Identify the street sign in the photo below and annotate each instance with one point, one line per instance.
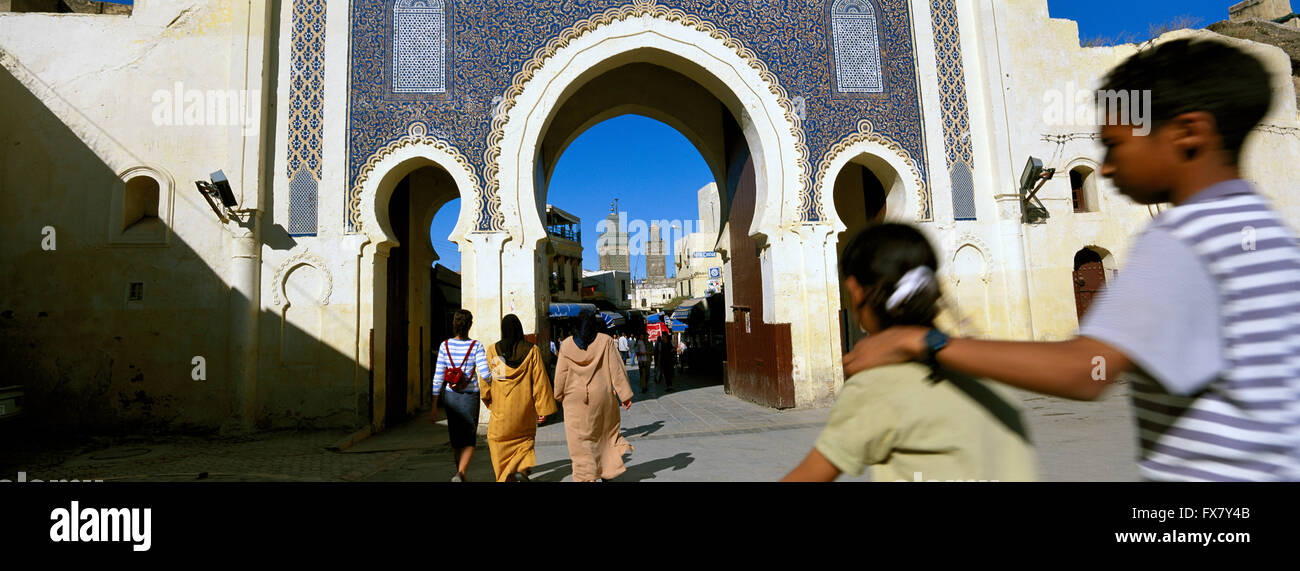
(715, 273)
(704, 255)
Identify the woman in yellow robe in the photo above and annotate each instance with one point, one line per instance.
(519, 398)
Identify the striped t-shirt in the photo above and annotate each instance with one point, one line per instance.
(476, 366)
(1208, 306)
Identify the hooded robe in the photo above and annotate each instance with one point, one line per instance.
(591, 383)
(515, 397)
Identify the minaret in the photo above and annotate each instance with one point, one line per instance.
(612, 245)
(656, 272)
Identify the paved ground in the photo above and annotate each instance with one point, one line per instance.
(696, 434)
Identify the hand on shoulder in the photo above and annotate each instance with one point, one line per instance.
(889, 347)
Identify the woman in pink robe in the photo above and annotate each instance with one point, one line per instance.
(591, 381)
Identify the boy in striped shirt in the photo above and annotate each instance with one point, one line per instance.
(1207, 312)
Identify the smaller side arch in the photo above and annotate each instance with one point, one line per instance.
(910, 204)
(969, 275)
(390, 164)
(282, 270)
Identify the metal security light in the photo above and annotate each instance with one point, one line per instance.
(218, 189)
(1032, 180)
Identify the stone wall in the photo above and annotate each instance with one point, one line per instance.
(65, 6)
(1260, 9)
(1265, 32)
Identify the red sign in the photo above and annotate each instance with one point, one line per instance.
(654, 330)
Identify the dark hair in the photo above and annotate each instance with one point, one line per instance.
(461, 323)
(592, 325)
(1199, 75)
(878, 257)
(512, 332)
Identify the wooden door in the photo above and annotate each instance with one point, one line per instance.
(1089, 278)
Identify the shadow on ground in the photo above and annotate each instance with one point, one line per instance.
(647, 470)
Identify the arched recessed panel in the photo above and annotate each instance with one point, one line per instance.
(140, 204)
(419, 46)
(969, 272)
(855, 39)
(306, 114)
(963, 192)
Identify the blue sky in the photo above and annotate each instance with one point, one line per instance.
(1112, 18)
(655, 172)
(651, 169)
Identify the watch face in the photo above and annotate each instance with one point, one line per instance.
(935, 340)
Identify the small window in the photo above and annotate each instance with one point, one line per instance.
(140, 209)
(1083, 189)
(135, 292)
(140, 206)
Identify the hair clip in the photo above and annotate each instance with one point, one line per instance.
(914, 281)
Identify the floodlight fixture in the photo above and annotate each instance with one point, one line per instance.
(218, 190)
(1032, 180)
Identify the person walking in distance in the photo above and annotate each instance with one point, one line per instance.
(665, 361)
(623, 348)
(642, 361)
(461, 367)
(591, 381)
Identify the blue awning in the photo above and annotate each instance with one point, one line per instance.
(559, 310)
(684, 310)
(611, 319)
(678, 326)
(652, 318)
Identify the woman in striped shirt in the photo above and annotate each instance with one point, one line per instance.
(462, 405)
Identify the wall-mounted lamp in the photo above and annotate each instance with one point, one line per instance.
(218, 190)
(1032, 180)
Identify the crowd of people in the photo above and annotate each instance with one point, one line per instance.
(1207, 324)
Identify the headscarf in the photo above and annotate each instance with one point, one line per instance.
(512, 347)
(592, 325)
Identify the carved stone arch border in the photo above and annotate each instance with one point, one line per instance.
(491, 217)
(417, 145)
(867, 140)
(983, 248)
(295, 259)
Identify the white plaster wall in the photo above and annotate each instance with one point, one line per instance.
(81, 90)
(1021, 54)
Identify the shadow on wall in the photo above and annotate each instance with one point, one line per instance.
(104, 336)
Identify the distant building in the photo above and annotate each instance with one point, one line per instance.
(647, 295)
(564, 255)
(611, 246)
(655, 261)
(699, 267)
(1275, 10)
(611, 285)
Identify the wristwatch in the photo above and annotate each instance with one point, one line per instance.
(935, 341)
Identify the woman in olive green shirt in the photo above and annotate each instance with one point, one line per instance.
(912, 422)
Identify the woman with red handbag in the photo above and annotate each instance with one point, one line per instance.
(462, 364)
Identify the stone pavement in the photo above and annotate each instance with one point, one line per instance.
(695, 434)
(700, 434)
